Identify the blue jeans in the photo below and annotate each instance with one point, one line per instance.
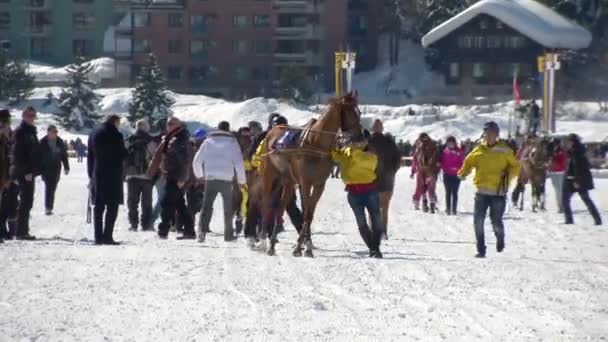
(496, 204)
(371, 202)
(557, 179)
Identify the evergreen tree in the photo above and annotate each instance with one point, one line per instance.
(295, 85)
(150, 98)
(78, 103)
(16, 83)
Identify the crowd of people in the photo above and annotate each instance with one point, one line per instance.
(189, 171)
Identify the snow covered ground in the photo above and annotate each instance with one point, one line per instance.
(550, 284)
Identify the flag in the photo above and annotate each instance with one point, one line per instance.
(516, 94)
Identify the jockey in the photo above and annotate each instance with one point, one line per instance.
(495, 166)
(256, 159)
(358, 171)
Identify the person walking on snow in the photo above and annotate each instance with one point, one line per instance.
(389, 162)
(26, 164)
(495, 166)
(358, 172)
(54, 154)
(578, 179)
(557, 170)
(451, 160)
(216, 163)
(426, 175)
(105, 157)
(5, 182)
(172, 160)
(140, 150)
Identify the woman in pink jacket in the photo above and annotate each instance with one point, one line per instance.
(451, 161)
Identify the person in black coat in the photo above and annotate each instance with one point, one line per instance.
(54, 154)
(106, 153)
(578, 179)
(25, 166)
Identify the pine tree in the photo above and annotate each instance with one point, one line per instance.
(150, 98)
(16, 83)
(295, 85)
(78, 103)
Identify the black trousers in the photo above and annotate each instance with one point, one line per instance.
(518, 191)
(254, 217)
(567, 196)
(139, 190)
(104, 228)
(452, 184)
(26, 202)
(174, 202)
(50, 187)
(8, 211)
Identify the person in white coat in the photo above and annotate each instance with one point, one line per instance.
(216, 162)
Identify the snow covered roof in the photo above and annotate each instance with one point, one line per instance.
(529, 17)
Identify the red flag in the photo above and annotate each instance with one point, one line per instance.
(516, 95)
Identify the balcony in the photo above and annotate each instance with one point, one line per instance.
(38, 5)
(297, 6)
(307, 32)
(123, 55)
(149, 4)
(37, 30)
(297, 58)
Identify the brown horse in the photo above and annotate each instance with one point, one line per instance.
(307, 165)
(534, 165)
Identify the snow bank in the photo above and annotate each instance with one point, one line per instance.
(103, 68)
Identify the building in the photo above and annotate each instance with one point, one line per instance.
(364, 30)
(238, 49)
(482, 48)
(55, 31)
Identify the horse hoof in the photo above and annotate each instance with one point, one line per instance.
(297, 252)
(309, 254)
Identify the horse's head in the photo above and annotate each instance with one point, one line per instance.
(350, 117)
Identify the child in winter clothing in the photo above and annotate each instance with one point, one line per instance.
(358, 171)
(451, 160)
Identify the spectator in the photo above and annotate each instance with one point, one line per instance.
(216, 163)
(5, 135)
(106, 154)
(452, 158)
(81, 150)
(54, 155)
(578, 179)
(140, 150)
(26, 165)
(559, 163)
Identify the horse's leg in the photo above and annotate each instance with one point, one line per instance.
(268, 181)
(534, 196)
(522, 195)
(286, 194)
(317, 191)
(305, 195)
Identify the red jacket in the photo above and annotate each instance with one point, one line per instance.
(559, 162)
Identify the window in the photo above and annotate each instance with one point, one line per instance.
(82, 47)
(239, 21)
(5, 20)
(357, 24)
(494, 42)
(141, 45)
(479, 70)
(515, 42)
(197, 23)
(175, 20)
(83, 21)
(141, 19)
(199, 74)
(483, 24)
(262, 47)
(39, 47)
(499, 25)
(84, 1)
(240, 73)
(175, 46)
(478, 42)
(200, 47)
(454, 70)
(260, 74)
(261, 21)
(174, 72)
(239, 47)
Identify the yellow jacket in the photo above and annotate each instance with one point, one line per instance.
(356, 166)
(256, 159)
(494, 168)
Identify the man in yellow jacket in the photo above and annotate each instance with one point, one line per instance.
(495, 166)
(358, 171)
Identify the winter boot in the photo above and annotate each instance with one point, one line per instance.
(12, 229)
(48, 212)
(238, 225)
(500, 244)
(425, 206)
(433, 208)
(251, 243)
(202, 236)
(416, 205)
(133, 228)
(186, 237)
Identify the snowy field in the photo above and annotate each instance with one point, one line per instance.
(550, 284)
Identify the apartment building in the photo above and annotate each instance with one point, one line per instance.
(231, 48)
(54, 31)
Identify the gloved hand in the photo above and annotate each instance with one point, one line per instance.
(244, 188)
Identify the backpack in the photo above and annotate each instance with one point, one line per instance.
(138, 158)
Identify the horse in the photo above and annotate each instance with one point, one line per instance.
(535, 161)
(308, 164)
(426, 160)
